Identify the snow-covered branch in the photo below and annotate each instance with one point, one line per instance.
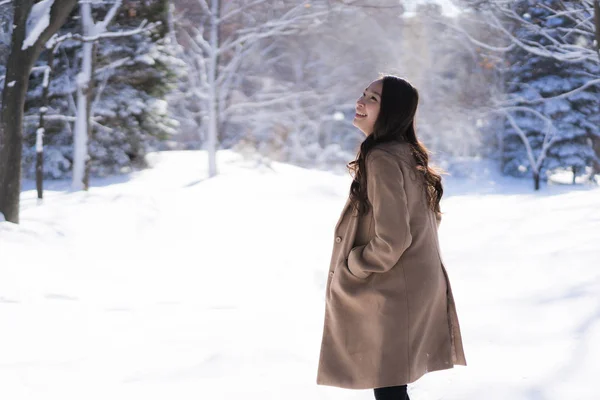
(289, 23)
(524, 139)
(113, 65)
(198, 42)
(205, 9)
(520, 100)
(455, 26)
(555, 43)
(244, 7)
(277, 100)
(62, 118)
(51, 117)
(144, 26)
(110, 15)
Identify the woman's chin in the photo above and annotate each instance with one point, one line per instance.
(358, 125)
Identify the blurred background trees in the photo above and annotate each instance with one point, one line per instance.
(514, 82)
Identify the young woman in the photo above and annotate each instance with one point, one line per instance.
(390, 315)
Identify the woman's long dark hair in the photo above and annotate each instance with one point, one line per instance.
(395, 123)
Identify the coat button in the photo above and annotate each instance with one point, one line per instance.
(338, 239)
(330, 273)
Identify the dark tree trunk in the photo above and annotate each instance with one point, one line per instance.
(18, 68)
(39, 173)
(536, 181)
(596, 162)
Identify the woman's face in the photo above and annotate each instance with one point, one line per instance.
(367, 107)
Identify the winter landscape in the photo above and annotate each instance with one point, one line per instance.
(171, 173)
(166, 285)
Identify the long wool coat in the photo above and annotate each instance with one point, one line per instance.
(390, 315)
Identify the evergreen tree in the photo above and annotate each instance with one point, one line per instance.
(132, 78)
(558, 129)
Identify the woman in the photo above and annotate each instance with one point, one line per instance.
(390, 315)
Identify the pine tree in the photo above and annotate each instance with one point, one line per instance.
(557, 128)
(132, 78)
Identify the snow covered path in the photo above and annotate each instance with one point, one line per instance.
(167, 286)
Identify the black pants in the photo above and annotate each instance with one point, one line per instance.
(391, 393)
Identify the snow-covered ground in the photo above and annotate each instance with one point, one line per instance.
(167, 285)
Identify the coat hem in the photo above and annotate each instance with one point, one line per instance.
(374, 385)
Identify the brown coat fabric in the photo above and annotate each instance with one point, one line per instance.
(390, 315)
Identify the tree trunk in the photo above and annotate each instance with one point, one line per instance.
(536, 181)
(84, 78)
(596, 162)
(213, 122)
(18, 68)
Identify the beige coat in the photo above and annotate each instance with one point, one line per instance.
(390, 315)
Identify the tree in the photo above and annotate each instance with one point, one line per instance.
(34, 25)
(451, 97)
(217, 45)
(92, 33)
(128, 110)
(292, 96)
(564, 96)
(551, 82)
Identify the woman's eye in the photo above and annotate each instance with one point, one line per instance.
(373, 98)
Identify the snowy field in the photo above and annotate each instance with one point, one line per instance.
(166, 285)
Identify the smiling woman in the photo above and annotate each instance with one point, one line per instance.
(390, 315)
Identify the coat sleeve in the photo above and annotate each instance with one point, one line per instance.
(385, 190)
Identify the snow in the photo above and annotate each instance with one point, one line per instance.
(146, 59)
(82, 79)
(164, 284)
(46, 77)
(39, 140)
(11, 83)
(37, 22)
(159, 106)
